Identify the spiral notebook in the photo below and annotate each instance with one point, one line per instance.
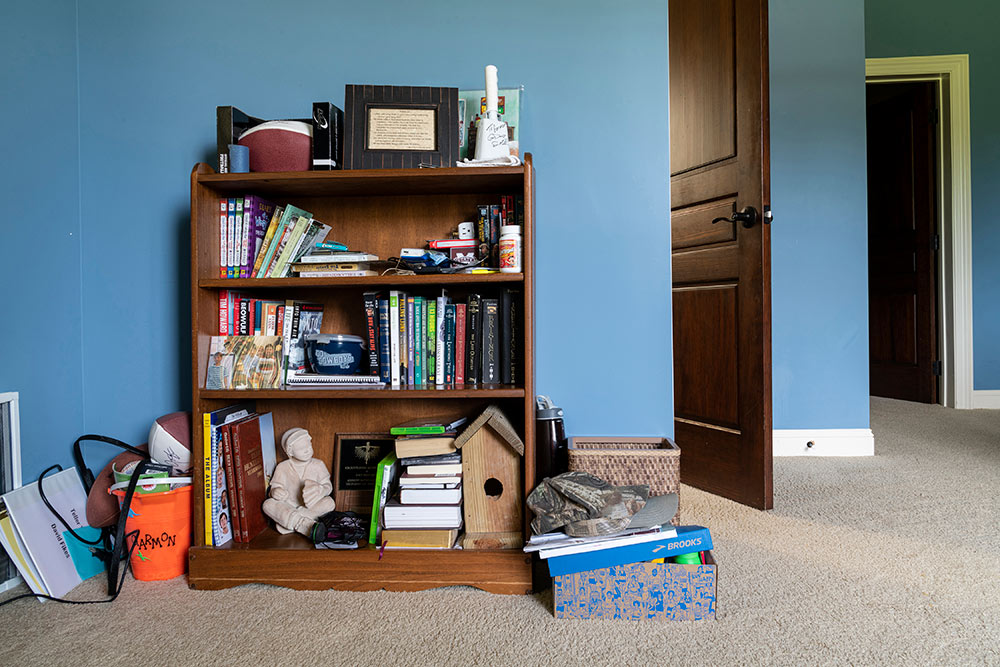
(315, 379)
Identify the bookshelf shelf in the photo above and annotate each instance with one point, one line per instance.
(360, 393)
(377, 211)
(361, 281)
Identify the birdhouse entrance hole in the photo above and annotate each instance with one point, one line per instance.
(493, 487)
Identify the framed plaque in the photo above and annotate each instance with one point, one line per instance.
(355, 458)
(400, 127)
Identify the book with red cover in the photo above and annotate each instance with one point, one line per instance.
(227, 461)
(251, 489)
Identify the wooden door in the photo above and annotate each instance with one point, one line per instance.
(902, 241)
(719, 165)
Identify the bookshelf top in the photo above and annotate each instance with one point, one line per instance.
(348, 182)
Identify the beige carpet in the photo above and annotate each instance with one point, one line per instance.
(893, 559)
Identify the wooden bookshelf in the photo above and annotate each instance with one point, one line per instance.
(378, 211)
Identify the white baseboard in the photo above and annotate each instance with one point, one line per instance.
(9, 584)
(825, 442)
(986, 399)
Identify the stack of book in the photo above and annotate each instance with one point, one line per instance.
(427, 511)
(416, 340)
(239, 460)
(323, 263)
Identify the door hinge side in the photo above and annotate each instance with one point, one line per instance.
(936, 368)
(936, 242)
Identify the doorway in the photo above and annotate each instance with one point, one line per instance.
(950, 74)
(904, 240)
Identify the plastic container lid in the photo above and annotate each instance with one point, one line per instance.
(323, 339)
(510, 229)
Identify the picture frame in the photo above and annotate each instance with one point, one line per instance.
(400, 127)
(355, 459)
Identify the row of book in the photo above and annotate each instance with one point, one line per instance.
(415, 340)
(261, 343)
(259, 239)
(239, 460)
(418, 499)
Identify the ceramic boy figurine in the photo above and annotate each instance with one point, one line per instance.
(300, 486)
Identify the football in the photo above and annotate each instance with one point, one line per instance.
(279, 145)
(170, 441)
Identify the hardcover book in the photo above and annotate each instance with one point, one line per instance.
(385, 476)
(384, 351)
(490, 347)
(398, 515)
(474, 340)
(372, 327)
(251, 487)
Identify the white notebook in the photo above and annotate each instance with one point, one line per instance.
(321, 379)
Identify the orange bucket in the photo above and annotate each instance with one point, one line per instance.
(164, 524)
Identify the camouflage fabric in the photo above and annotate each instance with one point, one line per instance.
(584, 505)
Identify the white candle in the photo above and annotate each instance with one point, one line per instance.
(491, 91)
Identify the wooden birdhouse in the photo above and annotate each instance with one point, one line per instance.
(491, 482)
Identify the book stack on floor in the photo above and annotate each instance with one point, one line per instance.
(427, 511)
(419, 340)
(239, 460)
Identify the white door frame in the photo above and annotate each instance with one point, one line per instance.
(952, 75)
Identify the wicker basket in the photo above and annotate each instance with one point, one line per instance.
(624, 461)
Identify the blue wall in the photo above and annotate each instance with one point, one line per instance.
(927, 28)
(40, 240)
(594, 116)
(819, 239)
(150, 77)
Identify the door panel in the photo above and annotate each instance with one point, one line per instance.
(704, 33)
(902, 259)
(721, 271)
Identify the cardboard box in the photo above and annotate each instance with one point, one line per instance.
(662, 591)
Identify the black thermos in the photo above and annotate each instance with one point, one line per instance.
(550, 438)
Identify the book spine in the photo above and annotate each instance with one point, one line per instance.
(460, 343)
(244, 221)
(335, 274)
(449, 344)
(279, 246)
(279, 324)
(394, 337)
(244, 327)
(230, 236)
(516, 318)
(490, 373)
(431, 341)
(231, 485)
(473, 354)
(240, 482)
(494, 235)
(208, 481)
(483, 233)
(262, 253)
(250, 212)
(310, 230)
(286, 340)
(257, 307)
(292, 235)
(238, 230)
(384, 351)
(505, 335)
(402, 338)
(223, 318)
(418, 340)
(223, 225)
(424, 303)
(371, 322)
(439, 342)
(410, 362)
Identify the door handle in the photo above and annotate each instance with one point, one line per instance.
(747, 217)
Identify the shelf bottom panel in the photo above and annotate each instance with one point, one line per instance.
(305, 568)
